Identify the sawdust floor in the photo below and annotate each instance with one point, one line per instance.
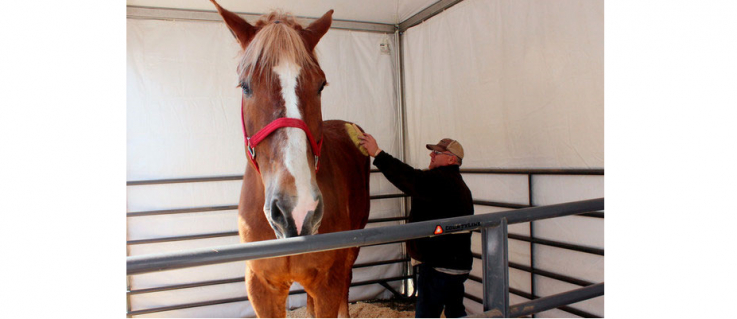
(370, 309)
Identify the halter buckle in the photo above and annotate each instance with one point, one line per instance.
(317, 162)
(251, 150)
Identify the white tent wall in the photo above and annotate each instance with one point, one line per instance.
(520, 83)
(183, 121)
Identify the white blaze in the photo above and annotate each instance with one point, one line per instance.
(296, 144)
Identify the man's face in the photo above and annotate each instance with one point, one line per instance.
(438, 159)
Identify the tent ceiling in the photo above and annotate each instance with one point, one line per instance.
(377, 11)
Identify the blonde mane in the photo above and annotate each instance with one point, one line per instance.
(278, 39)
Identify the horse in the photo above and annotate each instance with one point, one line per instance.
(305, 175)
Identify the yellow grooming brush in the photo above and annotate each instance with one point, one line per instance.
(354, 132)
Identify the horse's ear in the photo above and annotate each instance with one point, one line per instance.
(241, 30)
(317, 29)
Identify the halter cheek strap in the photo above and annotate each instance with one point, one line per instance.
(252, 141)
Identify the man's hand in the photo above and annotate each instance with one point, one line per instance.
(369, 143)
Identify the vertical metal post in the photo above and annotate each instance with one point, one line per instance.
(496, 271)
(401, 113)
(128, 307)
(532, 244)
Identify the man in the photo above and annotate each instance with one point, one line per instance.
(438, 192)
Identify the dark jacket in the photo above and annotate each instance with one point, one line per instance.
(436, 193)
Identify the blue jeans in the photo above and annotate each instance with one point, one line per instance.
(437, 290)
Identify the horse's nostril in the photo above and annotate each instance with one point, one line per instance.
(280, 217)
(276, 213)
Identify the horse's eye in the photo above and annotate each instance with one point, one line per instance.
(322, 86)
(246, 89)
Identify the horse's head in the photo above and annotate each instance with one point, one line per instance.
(281, 78)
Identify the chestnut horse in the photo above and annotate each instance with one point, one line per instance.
(305, 174)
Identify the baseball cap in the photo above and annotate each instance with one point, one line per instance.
(447, 145)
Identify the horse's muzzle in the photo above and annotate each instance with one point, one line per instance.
(290, 217)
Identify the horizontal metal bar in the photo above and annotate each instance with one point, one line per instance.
(568, 309)
(532, 297)
(476, 279)
(529, 296)
(181, 211)
(242, 279)
(577, 312)
(230, 233)
(583, 249)
(557, 300)
(535, 171)
(359, 26)
(180, 238)
(185, 306)
(472, 297)
(389, 196)
(552, 275)
(511, 290)
(136, 12)
(511, 205)
(379, 263)
(227, 234)
(195, 179)
(353, 238)
(593, 214)
(427, 13)
(185, 180)
(539, 272)
(499, 204)
(376, 281)
(239, 299)
(220, 208)
(521, 293)
(187, 285)
(153, 13)
(233, 207)
(389, 219)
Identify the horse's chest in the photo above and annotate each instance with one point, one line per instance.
(295, 268)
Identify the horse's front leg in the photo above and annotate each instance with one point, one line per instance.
(329, 289)
(310, 306)
(268, 296)
(351, 255)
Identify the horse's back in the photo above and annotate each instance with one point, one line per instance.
(345, 171)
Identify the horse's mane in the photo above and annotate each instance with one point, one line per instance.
(273, 43)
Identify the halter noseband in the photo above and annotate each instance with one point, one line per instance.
(252, 141)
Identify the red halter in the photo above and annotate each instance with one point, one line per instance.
(252, 141)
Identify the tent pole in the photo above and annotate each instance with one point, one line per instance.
(149, 13)
(427, 13)
(402, 115)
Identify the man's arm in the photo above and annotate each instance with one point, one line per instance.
(413, 182)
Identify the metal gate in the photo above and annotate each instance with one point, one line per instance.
(494, 233)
